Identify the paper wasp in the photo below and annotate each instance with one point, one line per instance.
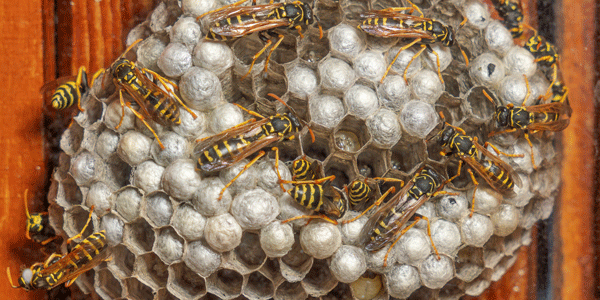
(58, 269)
(222, 150)
(531, 119)
(320, 196)
(38, 226)
(67, 90)
(235, 21)
(153, 102)
(498, 174)
(512, 15)
(545, 53)
(302, 169)
(390, 22)
(361, 192)
(386, 224)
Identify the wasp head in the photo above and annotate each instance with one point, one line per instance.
(502, 116)
(442, 33)
(437, 177)
(446, 135)
(34, 223)
(122, 69)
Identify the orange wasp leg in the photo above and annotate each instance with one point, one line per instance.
(417, 219)
(377, 203)
(396, 57)
(246, 167)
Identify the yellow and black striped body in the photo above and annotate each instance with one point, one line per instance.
(38, 228)
(438, 31)
(242, 24)
(162, 108)
(559, 92)
(84, 256)
(221, 151)
(512, 15)
(218, 155)
(309, 195)
(359, 192)
(458, 144)
(69, 93)
(301, 170)
(425, 184)
(542, 50)
(500, 178)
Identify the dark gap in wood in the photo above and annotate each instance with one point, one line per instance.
(546, 19)
(545, 252)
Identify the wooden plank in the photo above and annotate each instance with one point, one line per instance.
(20, 138)
(573, 270)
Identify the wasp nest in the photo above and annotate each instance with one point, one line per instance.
(171, 237)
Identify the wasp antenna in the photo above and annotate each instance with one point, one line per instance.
(464, 21)
(26, 204)
(10, 278)
(488, 96)
(129, 48)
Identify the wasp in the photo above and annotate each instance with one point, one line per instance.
(154, 103)
(390, 22)
(58, 269)
(319, 196)
(544, 53)
(67, 90)
(235, 21)
(361, 192)
(498, 174)
(531, 119)
(222, 150)
(38, 226)
(302, 169)
(512, 15)
(385, 225)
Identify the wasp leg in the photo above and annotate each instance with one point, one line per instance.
(389, 180)
(316, 181)
(415, 7)
(248, 165)
(277, 167)
(402, 9)
(280, 39)
(396, 57)
(416, 220)
(48, 240)
(253, 113)
(491, 134)
(84, 227)
(268, 43)
(474, 190)
(437, 61)
(497, 150)
(141, 117)
(324, 217)
(226, 130)
(80, 75)
(460, 163)
(122, 110)
(377, 203)
(526, 135)
(528, 90)
(49, 260)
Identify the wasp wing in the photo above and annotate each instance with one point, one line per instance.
(246, 130)
(250, 26)
(559, 109)
(235, 11)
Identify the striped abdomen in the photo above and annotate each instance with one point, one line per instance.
(308, 195)
(377, 237)
(358, 192)
(163, 107)
(66, 95)
(219, 25)
(500, 178)
(222, 150)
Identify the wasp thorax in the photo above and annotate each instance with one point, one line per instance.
(502, 116)
(446, 136)
(443, 33)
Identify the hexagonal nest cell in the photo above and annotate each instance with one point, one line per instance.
(180, 234)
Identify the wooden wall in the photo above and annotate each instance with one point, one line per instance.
(34, 50)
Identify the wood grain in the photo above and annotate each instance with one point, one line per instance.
(21, 157)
